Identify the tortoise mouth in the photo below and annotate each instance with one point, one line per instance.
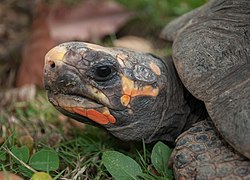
(81, 108)
(68, 101)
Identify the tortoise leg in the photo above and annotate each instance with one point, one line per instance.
(201, 153)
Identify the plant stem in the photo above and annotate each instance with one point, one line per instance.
(24, 164)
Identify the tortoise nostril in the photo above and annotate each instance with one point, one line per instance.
(52, 64)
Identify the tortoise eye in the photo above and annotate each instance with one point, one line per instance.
(103, 73)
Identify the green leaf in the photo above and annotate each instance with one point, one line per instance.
(160, 156)
(22, 153)
(148, 177)
(41, 176)
(24, 171)
(2, 155)
(45, 160)
(121, 167)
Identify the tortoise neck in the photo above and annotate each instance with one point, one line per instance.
(198, 110)
(182, 109)
(176, 112)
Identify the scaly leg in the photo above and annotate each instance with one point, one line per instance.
(201, 153)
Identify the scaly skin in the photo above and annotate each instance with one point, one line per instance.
(201, 153)
(128, 93)
(137, 96)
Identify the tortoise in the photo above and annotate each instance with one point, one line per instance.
(198, 99)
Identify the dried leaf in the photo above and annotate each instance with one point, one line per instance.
(31, 68)
(9, 176)
(2, 139)
(134, 43)
(24, 93)
(88, 21)
(54, 139)
(77, 124)
(26, 140)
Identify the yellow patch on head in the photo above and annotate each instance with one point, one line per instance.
(97, 93)
(96, 47)
(155, 68)
(127, 85)
(145, 91)
(121, 62)
(131, 90)
(121, 58)
(56, 54)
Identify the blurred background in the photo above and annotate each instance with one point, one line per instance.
(29, 28)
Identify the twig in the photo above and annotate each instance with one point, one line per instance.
(23, 163)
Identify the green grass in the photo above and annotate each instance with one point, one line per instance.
(152, 15)
(39, 120)
(160, 11)
(79, 149)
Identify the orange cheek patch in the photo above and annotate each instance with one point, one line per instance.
(131, 90)
(145, 91)
(99, 117)
(127, 85)
(125, 99)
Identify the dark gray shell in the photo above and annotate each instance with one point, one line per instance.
(211, 52)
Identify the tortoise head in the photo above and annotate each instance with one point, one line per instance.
(133, 95)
